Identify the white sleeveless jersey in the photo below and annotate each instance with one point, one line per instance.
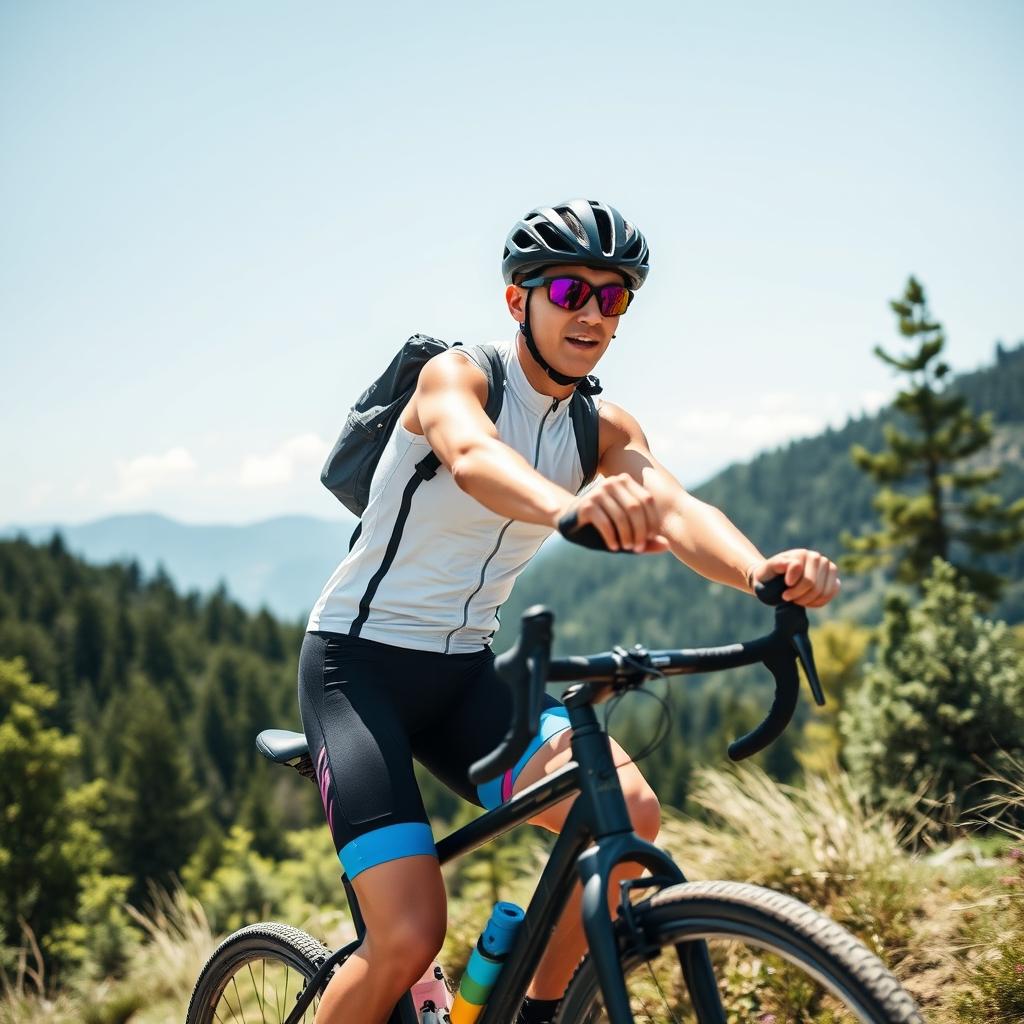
(456, 560)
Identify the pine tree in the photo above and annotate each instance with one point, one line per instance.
(156, 807)
(941, 704)
(952, 518)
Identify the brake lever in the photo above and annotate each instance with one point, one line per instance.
(791, 620)
(524, 669)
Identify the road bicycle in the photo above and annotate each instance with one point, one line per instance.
(705, 952)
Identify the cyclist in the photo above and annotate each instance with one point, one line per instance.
(396, 662)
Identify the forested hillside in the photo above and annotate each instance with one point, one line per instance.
(165, 692)
(801, 495)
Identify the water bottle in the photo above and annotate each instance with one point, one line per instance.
(485, 962)
(431, 997)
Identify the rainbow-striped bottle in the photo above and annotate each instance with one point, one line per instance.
(485, 962)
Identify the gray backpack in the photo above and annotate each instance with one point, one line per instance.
(349, 469)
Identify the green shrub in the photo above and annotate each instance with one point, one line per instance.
(944, 696)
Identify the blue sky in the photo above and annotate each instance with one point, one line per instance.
(219, 220)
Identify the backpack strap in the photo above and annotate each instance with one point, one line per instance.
(486, 358)
(585, 425)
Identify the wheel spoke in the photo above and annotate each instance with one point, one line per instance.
(234, 1016)
(241, 1008)
(661, 992)
(259, 1001)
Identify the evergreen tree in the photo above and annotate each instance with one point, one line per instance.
(265, 636)
(156, 808)
(942, 703)
(952, 517)
(90, 639)
(160, 661)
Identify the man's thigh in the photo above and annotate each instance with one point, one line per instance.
(556, 753)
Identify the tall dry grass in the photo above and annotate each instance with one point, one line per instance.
(820, 843)
(824, 845)
(991, 976)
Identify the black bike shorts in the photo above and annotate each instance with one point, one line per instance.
(369, 708)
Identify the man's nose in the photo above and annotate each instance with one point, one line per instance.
(590, 313)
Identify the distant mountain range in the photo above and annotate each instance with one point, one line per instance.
(804, 493)
(281, 563)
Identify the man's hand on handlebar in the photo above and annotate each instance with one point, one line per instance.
(621, 511)
(811, 579)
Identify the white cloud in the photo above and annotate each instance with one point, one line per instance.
(700, 439)
(140, 477)
(38, 494)
(872, 401)
(737, 431)
(280, 465)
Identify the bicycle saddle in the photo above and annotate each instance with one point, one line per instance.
(282, 746)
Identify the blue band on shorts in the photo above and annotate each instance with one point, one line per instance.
(553, 720)
(389, 843)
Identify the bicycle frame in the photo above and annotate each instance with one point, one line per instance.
(597, 835)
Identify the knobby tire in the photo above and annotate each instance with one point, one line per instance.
(235, 978)
(774, 924)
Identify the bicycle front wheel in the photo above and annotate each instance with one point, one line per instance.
(776, 961)
(255, 974)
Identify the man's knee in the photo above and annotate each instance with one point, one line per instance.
(644, 809)
(405, 909)
(408, 945)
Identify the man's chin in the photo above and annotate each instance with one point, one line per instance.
(581, 359)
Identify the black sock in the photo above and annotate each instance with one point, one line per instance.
(537, 1011)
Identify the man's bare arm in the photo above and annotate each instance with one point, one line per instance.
(449, 407)
(699, 534)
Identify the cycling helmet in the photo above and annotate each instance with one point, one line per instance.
(581, 231)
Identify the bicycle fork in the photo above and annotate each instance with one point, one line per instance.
(617, 843)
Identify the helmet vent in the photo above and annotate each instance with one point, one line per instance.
(551, 236)
(575, 231)
(604, 229)
(570, 218)
(524, 240)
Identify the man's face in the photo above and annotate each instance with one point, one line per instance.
(572, 341)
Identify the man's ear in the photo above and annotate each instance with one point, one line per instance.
(515, 298)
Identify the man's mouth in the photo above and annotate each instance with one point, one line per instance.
(582, 342)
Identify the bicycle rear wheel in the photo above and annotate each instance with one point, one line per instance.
(255, 974)
(776, 961)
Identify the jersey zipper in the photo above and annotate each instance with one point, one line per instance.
(497, 544)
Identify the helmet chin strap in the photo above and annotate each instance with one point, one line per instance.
(558, 378)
